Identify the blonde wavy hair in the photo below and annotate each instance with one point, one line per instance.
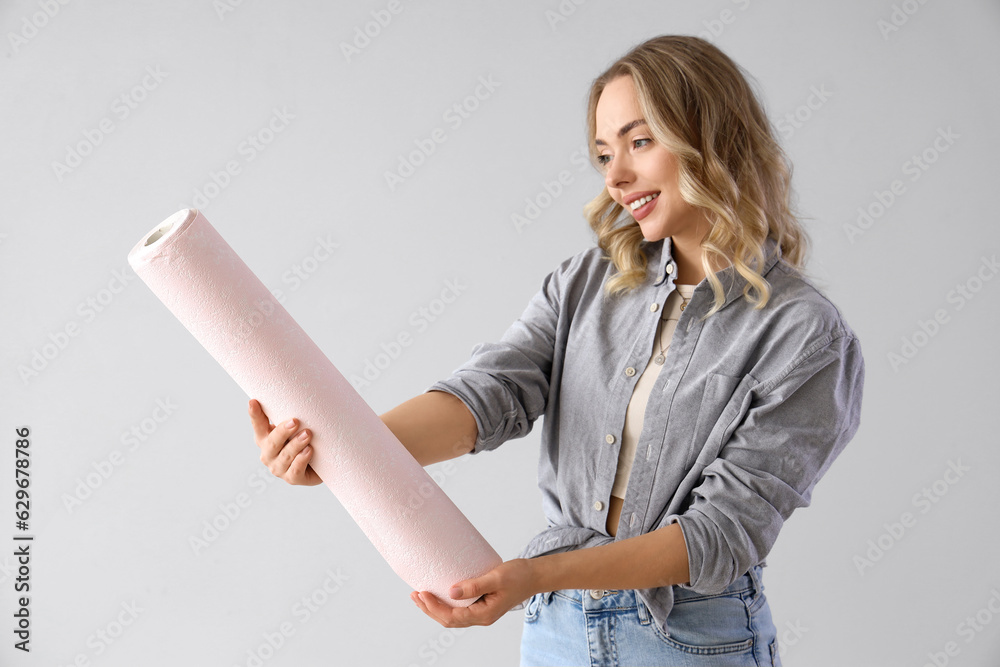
(698, 103)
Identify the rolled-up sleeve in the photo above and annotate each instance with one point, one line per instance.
(506, 384)
(795, 426)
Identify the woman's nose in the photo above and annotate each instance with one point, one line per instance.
(618, 173)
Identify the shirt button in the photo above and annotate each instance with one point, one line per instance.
(630, 371)
(653, 307)
(670, 268)
(610, 439)
(598, 506)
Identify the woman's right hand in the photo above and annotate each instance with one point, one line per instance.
(283, 449)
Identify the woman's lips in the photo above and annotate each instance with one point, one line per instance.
(644, 210)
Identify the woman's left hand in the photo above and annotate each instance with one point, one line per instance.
(501, 588)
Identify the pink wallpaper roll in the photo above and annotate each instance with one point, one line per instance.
(419, 531)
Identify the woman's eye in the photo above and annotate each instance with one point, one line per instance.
(602, 160)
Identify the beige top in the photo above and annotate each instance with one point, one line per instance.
(640, 394)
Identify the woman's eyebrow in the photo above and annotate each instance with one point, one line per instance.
(625, 130)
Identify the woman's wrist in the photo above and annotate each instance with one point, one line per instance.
(545, 572)
(654, 559)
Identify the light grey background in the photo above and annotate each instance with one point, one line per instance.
(878, 97)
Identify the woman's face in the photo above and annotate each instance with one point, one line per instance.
(635, 166)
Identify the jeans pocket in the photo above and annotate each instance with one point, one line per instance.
(709, 625)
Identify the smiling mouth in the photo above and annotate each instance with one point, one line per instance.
(643, 206)
(642, 201)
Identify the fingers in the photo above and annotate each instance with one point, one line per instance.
(299, 471)
(261, 427)
(283, 449)
(275, 439)
(453, 617)
(281, 465)
(430, 605)
(282, 446)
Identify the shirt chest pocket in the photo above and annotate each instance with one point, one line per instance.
(721, 402)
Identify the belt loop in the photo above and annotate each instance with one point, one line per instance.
(755, 577)
(644, 614)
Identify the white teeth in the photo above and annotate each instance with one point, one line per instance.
(645, 200)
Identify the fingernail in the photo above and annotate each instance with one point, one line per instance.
(303, 435)
(290, 423)
(455, 593)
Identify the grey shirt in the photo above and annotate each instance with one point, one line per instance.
(749, 411)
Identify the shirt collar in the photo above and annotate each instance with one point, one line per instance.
(772, 253)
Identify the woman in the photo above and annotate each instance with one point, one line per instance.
(665, 477)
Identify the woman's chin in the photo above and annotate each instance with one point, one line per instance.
(651, 233)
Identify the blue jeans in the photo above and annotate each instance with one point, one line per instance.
(597, 627)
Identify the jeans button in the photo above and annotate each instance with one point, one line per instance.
(596, 593)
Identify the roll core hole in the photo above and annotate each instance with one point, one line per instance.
(158, 234)
(172, 225)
